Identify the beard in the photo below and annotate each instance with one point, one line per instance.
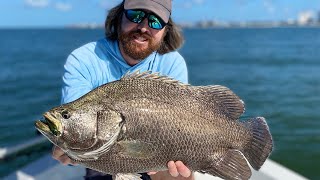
(135, 50)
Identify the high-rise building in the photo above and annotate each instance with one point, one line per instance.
(306, 17)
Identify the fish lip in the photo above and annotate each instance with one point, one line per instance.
(50, 125)
(42, 126)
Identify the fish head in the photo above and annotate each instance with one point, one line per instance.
(72, 128)
(83, 129)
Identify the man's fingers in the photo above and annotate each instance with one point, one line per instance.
(182, 169)
(59, 155)
(152, 173)
(73, 163)
(65, 160)
(173, 169)
(56, 152)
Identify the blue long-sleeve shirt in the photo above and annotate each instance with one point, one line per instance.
(100, 62)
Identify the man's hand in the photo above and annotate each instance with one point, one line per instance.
(176, 170)
(59, 155)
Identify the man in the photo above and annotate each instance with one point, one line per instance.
(140, 35)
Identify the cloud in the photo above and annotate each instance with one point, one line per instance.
(108, 4)
(269, 6)
(37, 3)
(198, 1)
(187, 4)
(63, 6)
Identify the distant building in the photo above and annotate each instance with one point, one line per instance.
(306, 17)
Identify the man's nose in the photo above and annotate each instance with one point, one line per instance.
(143, 26)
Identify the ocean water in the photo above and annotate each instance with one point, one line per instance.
(276, 71)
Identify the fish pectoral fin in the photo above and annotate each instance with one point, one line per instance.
(126, 177)
(137, 149)
(229, 165)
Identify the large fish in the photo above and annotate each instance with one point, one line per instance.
(142, 121)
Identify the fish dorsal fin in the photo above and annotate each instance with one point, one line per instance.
(223, 98)
(150, 75)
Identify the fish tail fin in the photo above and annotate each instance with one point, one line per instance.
(258, 149)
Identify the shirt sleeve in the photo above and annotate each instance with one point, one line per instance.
(179, 69)
(76, 80)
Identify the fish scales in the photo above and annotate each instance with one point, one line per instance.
(144, 120)
(166, 138)
(192, 98)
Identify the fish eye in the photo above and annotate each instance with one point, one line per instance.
(65, 114)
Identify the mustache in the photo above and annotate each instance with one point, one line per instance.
(139, 33)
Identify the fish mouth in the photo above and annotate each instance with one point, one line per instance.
(50, 125)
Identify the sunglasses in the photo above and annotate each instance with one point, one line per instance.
(137, 16)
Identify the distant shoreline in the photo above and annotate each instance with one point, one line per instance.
(249, 27)
(183, 27)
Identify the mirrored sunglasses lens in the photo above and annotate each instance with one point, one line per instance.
(155, 22)
(135, 16)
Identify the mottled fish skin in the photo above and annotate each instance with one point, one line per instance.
(144, 120)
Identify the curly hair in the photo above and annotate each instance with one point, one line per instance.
(172, 40)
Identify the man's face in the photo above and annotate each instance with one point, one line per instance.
(138, 41)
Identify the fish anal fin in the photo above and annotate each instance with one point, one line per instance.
(136, 149)
(120, 176)
(229, 165)
(222, 98)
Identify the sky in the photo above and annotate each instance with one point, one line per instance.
(52, 13)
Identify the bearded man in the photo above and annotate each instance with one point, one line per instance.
(140, 35)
